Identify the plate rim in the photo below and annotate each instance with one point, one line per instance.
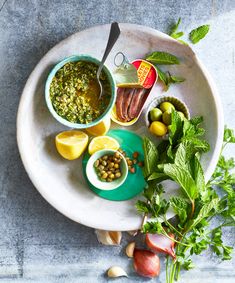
(128, 26)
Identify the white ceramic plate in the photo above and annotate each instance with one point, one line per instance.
(61, 182)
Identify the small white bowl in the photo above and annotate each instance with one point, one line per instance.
(93, 177)
(179, 106)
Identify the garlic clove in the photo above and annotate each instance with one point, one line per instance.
(111, 238)
(160, 243)
(133, 232)
(146, 263)
(130, 249)
(116, 271)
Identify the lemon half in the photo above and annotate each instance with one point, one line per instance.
(71, 144)
(102, 142)
(101, 128)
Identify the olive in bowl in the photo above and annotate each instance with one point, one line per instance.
(158, 114)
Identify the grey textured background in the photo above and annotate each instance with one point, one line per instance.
(37, 243)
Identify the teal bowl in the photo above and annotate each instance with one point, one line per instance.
(52, 73)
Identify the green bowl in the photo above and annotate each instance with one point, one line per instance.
(52, 73)
(94, 179)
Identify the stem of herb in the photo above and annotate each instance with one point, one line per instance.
(172, 227)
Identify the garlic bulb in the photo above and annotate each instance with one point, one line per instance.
(130, 249)
(111, 238)
(116, 271)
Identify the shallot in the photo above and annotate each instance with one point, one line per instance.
(146, 263)
(160, 243)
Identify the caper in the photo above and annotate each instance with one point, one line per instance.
(111, 176)
(104, 175)
(129, 162)
(101, 167)
(105, 157)
(116, 165)
(111, 164)
(117, 155)
(97, 163)
(109, 172)
(109, 180)
(134, 161)
(118, 175)
(104, 163)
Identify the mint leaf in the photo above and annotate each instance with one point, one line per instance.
(180, 207)
(177, 35)
(176, 128)
(162, 58)
(199, 33)
(150, 157)
(162, 75)
(175, 79)
(197, 173)
(167, 78)
(183, 178)
(175, 27)
(158, 176)
(204, 212)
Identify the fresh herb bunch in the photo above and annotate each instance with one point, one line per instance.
(178, 159)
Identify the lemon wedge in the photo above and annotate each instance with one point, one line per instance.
(100, 129)
(71, 144)
(102, 142)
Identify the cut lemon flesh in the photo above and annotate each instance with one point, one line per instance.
(71, 144)
(101, 128)
(102, 142)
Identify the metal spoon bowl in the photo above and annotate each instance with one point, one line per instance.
(113, 36)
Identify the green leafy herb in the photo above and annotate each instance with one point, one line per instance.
(178, 159)
(167, 78)
(175, 27)
(162, 58)
(150, 159)
(199, 33)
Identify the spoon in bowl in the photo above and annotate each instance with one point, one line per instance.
(113, 36)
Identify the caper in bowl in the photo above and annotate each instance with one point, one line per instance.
(107, 169)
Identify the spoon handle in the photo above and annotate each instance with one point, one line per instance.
(113, 36)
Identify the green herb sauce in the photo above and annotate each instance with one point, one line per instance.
(74, 92)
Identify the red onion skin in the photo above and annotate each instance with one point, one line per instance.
(158, 249)
(146, 263)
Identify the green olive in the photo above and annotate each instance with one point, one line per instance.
(166, 117)
(164, 106)
(155, 114)
(181, 115)
(158, 128)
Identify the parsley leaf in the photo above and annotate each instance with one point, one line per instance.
(199, 33)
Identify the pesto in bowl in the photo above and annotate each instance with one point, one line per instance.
(72, 92)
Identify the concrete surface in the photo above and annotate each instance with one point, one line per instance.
(37, 243)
